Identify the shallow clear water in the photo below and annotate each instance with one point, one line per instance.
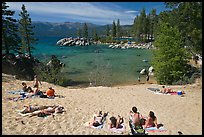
(118, 66)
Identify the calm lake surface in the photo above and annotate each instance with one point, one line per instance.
(83, 63)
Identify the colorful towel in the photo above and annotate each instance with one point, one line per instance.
(16, 92)
(22, 97)
(169, 93)
(155, 129)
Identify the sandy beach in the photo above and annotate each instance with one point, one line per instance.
(176, 113)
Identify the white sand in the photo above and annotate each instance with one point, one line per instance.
(175, 112)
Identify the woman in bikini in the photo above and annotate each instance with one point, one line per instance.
(151, 121)
(116, 123)
(98, 119)
(135, 116)
(36, 82)
(48, 111)
(30, 108)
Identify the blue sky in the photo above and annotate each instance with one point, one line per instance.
(93, 12)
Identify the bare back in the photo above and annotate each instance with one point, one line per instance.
(136, 119)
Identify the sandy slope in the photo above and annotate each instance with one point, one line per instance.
(175, 112)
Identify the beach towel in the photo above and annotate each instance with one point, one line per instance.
(154, 89)
(120, 130)
(27, 114)
(16, 92)
(155, 129)
(168, 93)
(87, 124)
(22, 97)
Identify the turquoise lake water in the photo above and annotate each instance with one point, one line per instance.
(85, 63)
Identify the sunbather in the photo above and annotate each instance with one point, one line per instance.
(48, 111)
(30, 108)
(26, 88)
(98, 119)
(151, 120)
(166, 90)
(116, 123)
(135, 116)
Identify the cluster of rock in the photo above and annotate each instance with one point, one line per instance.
(75, 42)
(132, 45)
(19, 66)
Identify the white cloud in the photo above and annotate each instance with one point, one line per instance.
(87, 11)
(131, 11)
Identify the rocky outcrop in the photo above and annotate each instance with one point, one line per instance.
(132, 45)
(75, 42)
(20, 66)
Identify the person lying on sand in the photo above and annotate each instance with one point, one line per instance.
(49, 111)
(30, 108)
(116, 123)
(166, 90)
(98, 119)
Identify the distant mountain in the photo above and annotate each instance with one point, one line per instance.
(66, 29)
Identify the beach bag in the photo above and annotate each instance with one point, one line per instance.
(139, 130)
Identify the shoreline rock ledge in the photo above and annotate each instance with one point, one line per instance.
(75, 42)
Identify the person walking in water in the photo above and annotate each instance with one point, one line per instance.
(138, 78)
(147, 77)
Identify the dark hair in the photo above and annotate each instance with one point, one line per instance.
(23, 83)
(151, 114)
(113, 120)
(95, 124)
(134, 109)
(100, 112)
(163, 86)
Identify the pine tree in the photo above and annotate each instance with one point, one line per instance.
(147, 28)
(142, 25)
(153, 22)
(95, 35)
(85, 31)
(107, 30)
(26, 32)
(113, 30)
(170, 58)
(78, 32)
(10, 39)
(118, 29)
(187, 17)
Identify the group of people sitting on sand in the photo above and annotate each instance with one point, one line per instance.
(136, 121)
(50, 93)
(40, 111)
